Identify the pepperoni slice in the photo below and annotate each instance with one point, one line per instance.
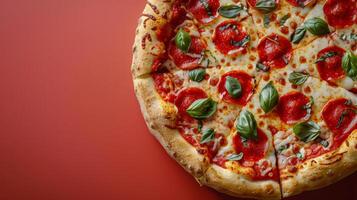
(204, 11)
(331, 68)
(275, 51)
(190, 60)
(185, 98)
(166, 85)
(299, 3)
(340, 13)
(230, 38)
(290, 107)
(253, 150)
(340, 117)
(246, 82)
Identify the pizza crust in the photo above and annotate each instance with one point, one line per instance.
(323, 170)
(234, 184)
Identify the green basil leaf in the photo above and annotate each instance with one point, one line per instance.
(299, 155)
(282, 148)
(325, 56)
(324, 143)
(265, 6)
(298, 34)
(230, 11)
(199, 126)
(351, 37)
(207, 135)
(349, 65)
(268, 97)
(183, 40)
(235, 157)
(317, 26)
(283, 19)
(262, 67)
(202, 108)
(307, 131)
(241, 43)
(207, 7)
(233, 87)
(246, 125)
(197, 74)
(266, 20)
(298, 78)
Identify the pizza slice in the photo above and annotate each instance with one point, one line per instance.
(320, 148)
(314, 130)
(325, 59)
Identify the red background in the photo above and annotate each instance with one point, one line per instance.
(70, 126)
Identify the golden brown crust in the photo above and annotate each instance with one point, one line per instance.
(323, 170)
(146, 45)
(238, 185)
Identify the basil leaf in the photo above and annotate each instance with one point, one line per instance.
(307, 131)
(317, 26)
(199, 126)
(262, 67)
(183, 40)
(207, 136)
(207, 7)
(235, 157)
(246, 125)
(230, 11)
(233, 87)
(298, 34)
(349, 65)
(325, 56)
(324, 143)
(268, 97)
(266, 20)
(299, 155)
(282, 148)
(283, 19)
(202, 108)
(241, 43)
(265, 6)
(298, 78)
(197, 74)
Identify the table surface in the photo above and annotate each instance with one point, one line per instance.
(70, 125)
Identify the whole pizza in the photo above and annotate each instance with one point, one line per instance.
(254, 98)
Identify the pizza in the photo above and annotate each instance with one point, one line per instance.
(254, 98)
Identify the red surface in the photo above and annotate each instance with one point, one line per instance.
(70, 126)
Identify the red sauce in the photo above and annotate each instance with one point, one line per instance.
(185, 98)
(331, 114)
(275, 51)
(340, 13)
(331, 69)
(202, 13)
(227, 37)
(290, 107)
(183, 60)
(165, 86)
(246, 82)
(272, 129)
(260, 145)
(272, 175)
